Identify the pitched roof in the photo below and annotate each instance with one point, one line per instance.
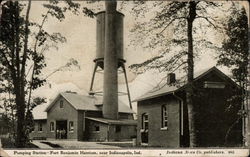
(81, 102)
(167, 89)
(51, 90)
(38, 112)
(111, 121)
(86, 102)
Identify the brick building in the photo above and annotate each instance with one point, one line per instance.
(78, 117)
(163, 115)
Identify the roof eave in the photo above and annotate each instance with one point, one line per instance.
(112, 123)
(52, 103)
(132, 112)
(98, 120)
(157, 95)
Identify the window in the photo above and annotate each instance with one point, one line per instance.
(145, 121)
(40, 127)
(71, 126)
(97, 128)
(61, 103)
(164, 117)
(218, 85)
(117, 128)
(52, 127)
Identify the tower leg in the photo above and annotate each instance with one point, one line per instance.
(92, 80)
(126, 80)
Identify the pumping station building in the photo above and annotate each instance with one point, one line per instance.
(163, 113)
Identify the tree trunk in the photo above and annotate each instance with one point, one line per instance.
(17, 81)
(20, 138)
(190, 76)
(20, 87)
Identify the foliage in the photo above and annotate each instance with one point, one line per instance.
(234, 55)
(9, 143)
(5, 122)
(235, 47)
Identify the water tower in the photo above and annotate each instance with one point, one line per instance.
(109, 58)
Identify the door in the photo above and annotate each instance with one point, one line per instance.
(61, 129)
(144, 131)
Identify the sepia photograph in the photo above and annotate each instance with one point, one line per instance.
(117, 77)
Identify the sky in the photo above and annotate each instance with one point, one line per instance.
(80, 32)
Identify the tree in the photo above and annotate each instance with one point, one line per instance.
(234, 55)
(17, 54)
(173, 51)
(10, 47)
(7, 101)
(5, 124)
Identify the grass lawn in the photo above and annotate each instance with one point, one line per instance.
(8, 143)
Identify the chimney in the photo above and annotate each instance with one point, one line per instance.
(110, 85)
(171, 78)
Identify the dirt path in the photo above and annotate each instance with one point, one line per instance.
(41, 145)
(80, 144)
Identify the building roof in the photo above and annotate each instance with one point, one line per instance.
(50, 90)
(111, 121)
(181, 83)
(38, 112)
(87, 102)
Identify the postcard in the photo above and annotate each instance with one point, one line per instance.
(124, 78)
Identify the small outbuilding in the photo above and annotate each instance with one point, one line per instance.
(163, 113)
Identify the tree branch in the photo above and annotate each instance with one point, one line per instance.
(40, 29)
(34, 65)
(176, 68)
(207, 19)
(171, 23)
(213, 4)
(29, 70)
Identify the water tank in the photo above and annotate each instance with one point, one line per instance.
(100, 35)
